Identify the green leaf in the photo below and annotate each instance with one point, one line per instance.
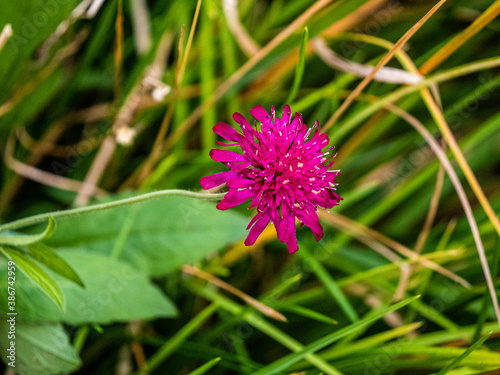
(113, 292)
(48, 257)
(165, 234)
(204, 368)
(309, 313)
(278, 366)
(459, 359)
(36, 274)
(28, 239)
(40, 348)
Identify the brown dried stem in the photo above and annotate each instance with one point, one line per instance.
(266, 310)
(399, 44)
(38, 175)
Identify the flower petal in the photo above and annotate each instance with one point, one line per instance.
(257, 196)
(217, 179)
(287, 114)
(226, 144)
(257, 228)
(260, 113)
(226, 132)
(247, 140)
(292, 245)
(240, 119)
(286, 228)
(311, 220)
(240, 183)
(225, 155)
(234, 198)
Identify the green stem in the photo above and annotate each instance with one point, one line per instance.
(21, 223)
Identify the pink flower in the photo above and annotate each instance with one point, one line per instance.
(282, 169)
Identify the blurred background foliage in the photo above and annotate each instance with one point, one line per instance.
(117, 94)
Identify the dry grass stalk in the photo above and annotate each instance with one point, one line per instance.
(266, 310)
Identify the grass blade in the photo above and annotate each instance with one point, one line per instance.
(187, 330)
(308, 313)
(330, 284)
(262, 325)
(486, 298)
(299, 71)
(207, 366)
(454, 44)
(457, 361)
(278, 366)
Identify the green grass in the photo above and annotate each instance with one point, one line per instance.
(67, 98)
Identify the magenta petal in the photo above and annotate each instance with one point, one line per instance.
(257, 228)
(276, 219)
(287, 114)
(226, 132)
(311, 220)
(256, 197)
(282, 170)
(217, 179)
(225, 155)
(292, 245)
(240, 119)
(248, 131)
(234, 198)
(254, 219)
(240, 183)
(330, 176)
(226, 144)
(286, 228)
(260, 113)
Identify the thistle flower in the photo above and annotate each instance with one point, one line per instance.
(282, 169)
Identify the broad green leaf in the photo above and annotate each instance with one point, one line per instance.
(37, 275)
(48, 257)
(164, 234)
(28, 239)
(114, 291)
(40, 348)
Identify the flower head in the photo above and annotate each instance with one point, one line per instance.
(282, 169)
